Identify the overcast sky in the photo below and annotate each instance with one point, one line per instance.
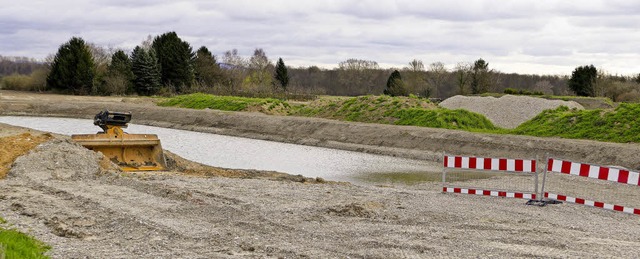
(520, 36)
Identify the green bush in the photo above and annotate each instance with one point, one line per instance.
(16, 82)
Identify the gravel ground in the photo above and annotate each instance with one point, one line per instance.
(508, 111)
(91, 214)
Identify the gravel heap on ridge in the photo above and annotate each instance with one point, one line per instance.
(508, 111)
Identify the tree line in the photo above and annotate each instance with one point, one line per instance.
(166, 64)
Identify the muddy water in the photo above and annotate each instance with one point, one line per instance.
(244, 153)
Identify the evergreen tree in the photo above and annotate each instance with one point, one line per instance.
(281, 75)
(144, 66)
(119, 76)
(395, 85)
(206, 68)
(175, 57)
(73, 68)
(582, 80)
(480, 77)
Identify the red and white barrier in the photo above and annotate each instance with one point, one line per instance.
(520, 195)
(496, 165)
(592, 203)
(493, 164)
(593, 171)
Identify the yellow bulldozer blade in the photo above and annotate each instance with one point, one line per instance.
(132, 152)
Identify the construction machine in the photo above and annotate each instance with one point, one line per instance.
(131, 152)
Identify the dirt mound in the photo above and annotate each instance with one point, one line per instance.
(508, 111)
(360, 210)
(19, 145)
(60, 159)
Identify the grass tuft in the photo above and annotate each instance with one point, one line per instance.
(14, 244)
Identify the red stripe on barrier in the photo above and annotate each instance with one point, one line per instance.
(502, 194)
(604, 173)
(487, 163)
(519, 165)
(446, 161)
(472, 162)
(618, 208)
(458, 190)
(533, 166)
(502, 164)
(636, 211)
(598, 204)
(485, 192)
(550, 164)
(580, 201)
(623, 176)
(584, 170)
(566, 167)
(444, 189)
(518, 195)
(457, 162)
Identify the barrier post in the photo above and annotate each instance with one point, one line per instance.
(444, 172)
(536, 178)
(544, 176)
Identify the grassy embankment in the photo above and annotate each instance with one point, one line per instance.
(14, 244)
(372, 109)
(619, 125)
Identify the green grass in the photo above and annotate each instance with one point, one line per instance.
(444, 118)
(224, 103)
(620, 125)
(14, 244)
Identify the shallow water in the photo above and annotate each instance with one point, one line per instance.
(244, 153)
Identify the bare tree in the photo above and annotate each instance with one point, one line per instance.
(356, 76)
(260, 67)
(543, 86)
(416, 66)
(462, 76)
(234, 70)
(436, 77)
(415, 78)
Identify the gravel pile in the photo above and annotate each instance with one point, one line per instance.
(508, 111)
(59, 159)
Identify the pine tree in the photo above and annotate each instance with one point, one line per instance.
(281, 75)
(175, 57)
(480, 77)
(146, 71)
(73, 68)
(395, 85)
(206, 68)
(119, 77)
(582, 80)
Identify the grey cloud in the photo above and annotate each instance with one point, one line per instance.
(543, 33)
